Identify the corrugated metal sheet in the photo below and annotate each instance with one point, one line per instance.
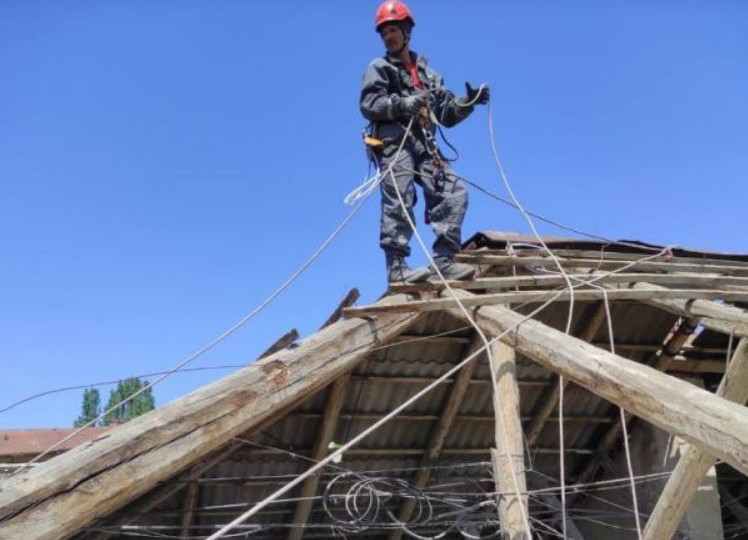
(393, 374)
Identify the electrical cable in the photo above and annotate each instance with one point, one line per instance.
(570, 316)
(342, 449)
(463, 309)
(219, 338)
(204, 368)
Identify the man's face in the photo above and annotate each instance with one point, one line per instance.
(393, 37)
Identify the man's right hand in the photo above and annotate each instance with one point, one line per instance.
(411, 105)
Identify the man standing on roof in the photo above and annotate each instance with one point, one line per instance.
(398, 88)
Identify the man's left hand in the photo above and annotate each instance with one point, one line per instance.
(479, 96)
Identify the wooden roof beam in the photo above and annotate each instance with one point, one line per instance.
(191, 497)
(281, 343)
(510, 282)
(693, 463)
(327, 428)
(681, 335)
(602, 264)
(715, 425)
(150, 501)
(508, 456)
(70, 491)
(325, 434)
(717, 317)
(439, 433)
(548, 401)
(642, 292)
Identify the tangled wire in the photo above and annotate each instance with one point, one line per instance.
(356, 503)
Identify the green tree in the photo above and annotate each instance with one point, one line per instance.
(90, 408)
(140, 404)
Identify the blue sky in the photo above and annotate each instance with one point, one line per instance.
(165, 165)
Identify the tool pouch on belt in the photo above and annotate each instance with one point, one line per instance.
(371, 143)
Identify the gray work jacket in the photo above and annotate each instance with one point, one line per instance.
(386, 81)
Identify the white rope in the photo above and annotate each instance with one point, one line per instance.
(369, 184)
(468, 316)
(518, 205)
(591, 282)
(358, 438)
(216, 340)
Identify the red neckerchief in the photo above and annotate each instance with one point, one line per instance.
(412, 68)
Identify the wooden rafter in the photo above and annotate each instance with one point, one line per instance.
(439, 434)
(281, 343)
(606, 264)
(191, 498)
(680, 337)
(714, 424)
(493, 283)
(641, 292)
(693, 463)
(348, 300)
(325, 434)
(326, 430)
(718, 317)
(150, 501)
(626, 257)
(550, 396)
(153, 447)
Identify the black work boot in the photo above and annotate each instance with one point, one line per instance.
(453, 270)
(398, 271)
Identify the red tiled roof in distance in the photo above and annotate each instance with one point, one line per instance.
(18, 444)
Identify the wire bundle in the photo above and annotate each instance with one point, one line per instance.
(356, 503)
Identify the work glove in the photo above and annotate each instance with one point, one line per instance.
(477, 96)
(411, 105)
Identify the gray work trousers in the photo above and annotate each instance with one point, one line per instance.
(445, 194)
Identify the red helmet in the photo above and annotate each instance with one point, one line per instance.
(392, 11)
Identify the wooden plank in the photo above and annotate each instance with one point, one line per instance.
(510, 282)
(509, 454)
(693, 463)
(326, 430)
(348, 300)
(715, 425)
(650, 294)
(647, 266)
(325, 435)
(191, 498)
(165, 491)
(70, 491)
(684, 365)
(439, 434)
(281, 343)
(154, 498)
(626, 257)
(717, 317)
(550, 397)
(679, 337)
